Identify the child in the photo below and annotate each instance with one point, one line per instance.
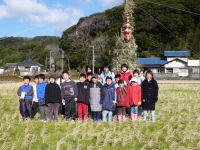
(40, 89)
(88, 70)
(53, 98)
(89, 77)
(134, 92)
(106, 73)
(117, 78)
(96, 94)
(60, 81)
(136, 74)
(26, 96)
(122, 101)
(125, 73)
(35, 99)
(109, 100)
(83, 97)
(149, 95)
(69, 94)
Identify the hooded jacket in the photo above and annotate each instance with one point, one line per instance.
(83, 92)
(109, 99)
(53, 93)
(96, 94)
(126, 76)
(135, 94)
(125, 101)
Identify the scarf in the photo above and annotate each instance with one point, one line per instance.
(120, 96)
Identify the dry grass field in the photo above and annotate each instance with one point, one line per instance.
(177, 126)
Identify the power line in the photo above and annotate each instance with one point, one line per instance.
(155, 19)
(190, 12)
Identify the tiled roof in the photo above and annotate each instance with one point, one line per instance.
(29, 63)
(176, 53)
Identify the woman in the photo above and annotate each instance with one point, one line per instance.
(149, 95)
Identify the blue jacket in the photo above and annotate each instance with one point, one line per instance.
(28, 89)
(40, 88)
(104, 76)
(109, 100)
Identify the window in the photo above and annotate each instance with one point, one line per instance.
(169, 70)
(195, 70)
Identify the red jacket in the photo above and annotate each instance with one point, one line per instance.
(134, 94)
(125, 102)
(126, 76)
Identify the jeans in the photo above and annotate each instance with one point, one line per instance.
(53, 111)
(152, 115)
(104, 115)
(96, 116)
(25, 108)
(44, 112)
(134, 109)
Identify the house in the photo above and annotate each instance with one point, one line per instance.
(29, 67)
(173, 62)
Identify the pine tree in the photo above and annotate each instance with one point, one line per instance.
(126, 52)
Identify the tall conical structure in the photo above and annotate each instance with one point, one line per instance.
(126, 48)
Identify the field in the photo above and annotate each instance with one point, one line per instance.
(177, 126)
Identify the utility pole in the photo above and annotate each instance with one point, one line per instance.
(92, 59)
(50, 59)
(63, 56)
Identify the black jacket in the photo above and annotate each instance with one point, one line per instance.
(83, 92)
(150, 94)
(53, 93)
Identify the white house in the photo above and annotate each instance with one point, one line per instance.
(173, 62)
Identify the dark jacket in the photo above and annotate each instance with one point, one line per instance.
(69, 89)
(53, 93)
(149, 94)
(83, 92)
(107, 102)
(96, 94)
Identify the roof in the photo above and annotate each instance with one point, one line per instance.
(151, 61)
(11, 64)
(176, 59)
(176, 53)
(29, 63)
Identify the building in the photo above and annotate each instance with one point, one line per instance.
(175, 63)
(27, 67)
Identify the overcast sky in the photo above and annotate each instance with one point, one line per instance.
(29, 18)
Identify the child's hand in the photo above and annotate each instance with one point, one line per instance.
(75, 99)
(143, 100)
(63, 101)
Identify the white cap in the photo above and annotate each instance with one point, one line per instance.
(134, 79)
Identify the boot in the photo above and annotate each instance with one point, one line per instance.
(135, 116)
(123, 118)
(120, 118)
(132, 117)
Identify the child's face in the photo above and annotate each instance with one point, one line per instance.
(40, 80)
(52, 80)
(82, 79)
(117, 79)
(94, 80)
(108, 81)
(89, 70)
(149, 76)
(26, 81)
(136, 75)
(66, 76)
(106, 70)
(144, 74)
(121, 85)
(124, 69)
(36, 80)
(89, 78)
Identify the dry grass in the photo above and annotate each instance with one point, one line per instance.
(177, 126)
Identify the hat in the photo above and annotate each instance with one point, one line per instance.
(134, 79)
(52, 76)
(95, 76)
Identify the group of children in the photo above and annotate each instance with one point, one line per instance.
(101, 95)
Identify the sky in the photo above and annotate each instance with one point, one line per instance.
(29, 18)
